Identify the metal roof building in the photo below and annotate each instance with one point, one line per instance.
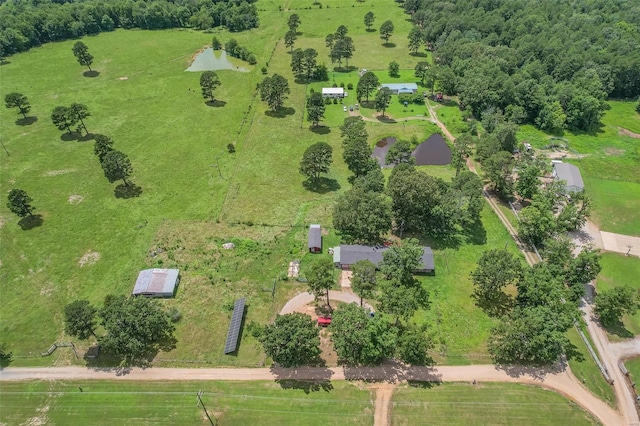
(570, 174)
(314, 243)
(400, 88)
(156, 283)
(333, 92)
(346, 255)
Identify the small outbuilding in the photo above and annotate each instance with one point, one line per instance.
(401, 88)
(157, 283)
(346, 255)
(333, 92)
(314, 242)
(571, 176)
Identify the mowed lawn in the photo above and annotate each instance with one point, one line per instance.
(619, 270)
(609, 161)
(483, 404)
(148, 403)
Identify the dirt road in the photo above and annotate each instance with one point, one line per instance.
(559, 380)
(306, 298)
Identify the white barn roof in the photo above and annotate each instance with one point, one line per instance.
(333, 90)
(156, 282)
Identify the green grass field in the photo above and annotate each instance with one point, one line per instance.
(619, 270)
(633, 365)
(483, 404)
(147, 403)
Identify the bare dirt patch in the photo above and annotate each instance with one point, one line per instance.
(625, 132)
(123, 78)
(89, 258)
(2, 222)
(75, 199)
(614, 152)
(47, 289)
(57, 172)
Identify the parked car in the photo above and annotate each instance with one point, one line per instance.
(357, 106)
(344, 108)
(351, 108)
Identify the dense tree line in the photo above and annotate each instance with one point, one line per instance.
(25, 24)
(549, 63)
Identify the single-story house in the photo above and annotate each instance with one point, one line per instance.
(157, 283)
(333, 92)
(346, 255)
(571, 176)
(401, 88)
(314, 243)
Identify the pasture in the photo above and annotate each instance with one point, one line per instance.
(483, 404)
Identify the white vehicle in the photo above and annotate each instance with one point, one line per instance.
(344, 108)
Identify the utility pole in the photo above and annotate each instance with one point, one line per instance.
(199, 395)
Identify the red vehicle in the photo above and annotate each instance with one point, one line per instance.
(439, 97)
(324, 321)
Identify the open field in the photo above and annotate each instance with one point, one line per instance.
(146, 403)
(609, 161)
(633, 365)
(483, 404)
(195, 195)
(619, 270)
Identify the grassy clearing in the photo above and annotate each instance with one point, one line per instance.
(450, 115)
(585, 369)
(633, 365)
(145, 403)
(619, 270)
(484, 403)
(616, 205)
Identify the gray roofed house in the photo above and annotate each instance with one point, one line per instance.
(570, 174)
(156, 283)
(346, 255)
(314, 243)
(400, 88)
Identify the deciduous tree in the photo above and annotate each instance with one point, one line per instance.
(369, 18)
(528, 181)
(496, 270)
(80, 319)
(363, 279)
(290, 39)
(294, 22)
(79, 112)
(367, 84)
(361, 216)
(18, 100)
(63, 119)
(215, 43)
(394, 69)
(102, 146)
(400, 152)
(383, 99)
(274, 91)
(413, 346)
(611, 305)
(297, 62)
(315, 160)
(19, 203)
(315, 108)
(320, 277)
(209, 81)
(292, 340)
(498, 169)
(416, 37)
(386, 30)
(117, 166)
(310, 61)
(360, 339)
(81, 52)
(422, 71)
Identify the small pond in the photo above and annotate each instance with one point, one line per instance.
(431, 152)
(211, 60)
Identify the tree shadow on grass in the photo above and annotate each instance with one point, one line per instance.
(127, 191)
(572, 352)
(68, 137)
(91, 74)
(345, 69)
(26, 121)
(321, 130)
(215, 103)
(496, 306)
(385, 119)
(322, 185)
(476, 234)
(287, 378)
(30, 222)
(372, 30)
(87, 137)
(418, 54)
(619, 330)
(280, 113)
(389, 44)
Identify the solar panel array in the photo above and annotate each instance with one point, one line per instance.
(234, 328)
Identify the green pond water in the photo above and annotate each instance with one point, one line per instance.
(210, 60)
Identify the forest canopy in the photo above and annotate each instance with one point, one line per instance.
(522, 56)
(29, 23)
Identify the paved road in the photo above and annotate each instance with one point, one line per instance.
(560, 380)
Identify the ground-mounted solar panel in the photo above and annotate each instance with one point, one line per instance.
(234, 327)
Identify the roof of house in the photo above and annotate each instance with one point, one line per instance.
(350, 254)
(315, 236)
(156, 281)
(569, 173)
(332, 90)
(402, 87)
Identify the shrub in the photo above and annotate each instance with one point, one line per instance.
(231, 148)
(264, 70)
(327, 101)
(350, 86)
(174, 314)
